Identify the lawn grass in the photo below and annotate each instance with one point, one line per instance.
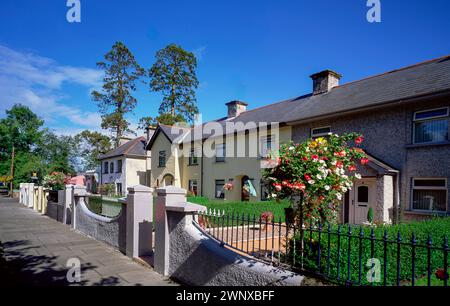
(246, 208)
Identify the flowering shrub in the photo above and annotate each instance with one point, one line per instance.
(107, 189)
(55, 181)
(316, 173)
(228, 186)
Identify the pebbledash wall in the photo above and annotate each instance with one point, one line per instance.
(388, 136)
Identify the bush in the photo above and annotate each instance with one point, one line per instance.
(345, 250)
(246, 208)
(107, 189)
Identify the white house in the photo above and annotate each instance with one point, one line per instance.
(127, 165)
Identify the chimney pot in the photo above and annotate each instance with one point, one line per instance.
(324, 81)
(235, 108)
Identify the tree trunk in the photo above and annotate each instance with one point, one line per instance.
(172, 110)
(12, 171)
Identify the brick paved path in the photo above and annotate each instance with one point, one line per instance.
(37, 249)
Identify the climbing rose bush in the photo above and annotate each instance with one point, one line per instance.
(316, 174)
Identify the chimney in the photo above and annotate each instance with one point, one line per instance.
(123, 140)
(324, 81)
(235, 108)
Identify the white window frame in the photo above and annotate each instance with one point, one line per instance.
(191, 184)
(263, 150)
(320, 134)
(413, 187)
(193, 153)
(415, 120)
(220, 159)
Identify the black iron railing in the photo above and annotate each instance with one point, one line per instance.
(347, 255)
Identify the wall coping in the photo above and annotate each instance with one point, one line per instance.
(185, 207)
(170, 190)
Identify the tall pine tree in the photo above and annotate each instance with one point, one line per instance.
(116, 100)
(173, 75)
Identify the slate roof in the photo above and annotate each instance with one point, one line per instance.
(135, 147)
(421, 79)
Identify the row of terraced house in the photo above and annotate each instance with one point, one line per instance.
(403, 115)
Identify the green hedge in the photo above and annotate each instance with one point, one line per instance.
(246, 208)
(436, 229)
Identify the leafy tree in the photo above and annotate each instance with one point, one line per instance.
(166, 119)
(116, 100)
(90, 145)
(57, 152)
(173, 74)
(19, 131)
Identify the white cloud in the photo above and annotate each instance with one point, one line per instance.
(36, 82)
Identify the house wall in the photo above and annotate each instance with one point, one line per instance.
(388, 137)
(158, 173)
(233, 167)
(116, 177)
(135, 172)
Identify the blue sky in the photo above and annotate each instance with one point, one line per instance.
(256, 51)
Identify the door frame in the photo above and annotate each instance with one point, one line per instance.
(371, 182)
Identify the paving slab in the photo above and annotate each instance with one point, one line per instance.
(37, 249)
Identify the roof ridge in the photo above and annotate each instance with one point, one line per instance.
(396, 70)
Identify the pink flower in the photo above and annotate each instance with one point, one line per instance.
(359, 140)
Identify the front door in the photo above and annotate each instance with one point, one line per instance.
(364, 197)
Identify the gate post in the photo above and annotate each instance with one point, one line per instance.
(139, 229)
(166, 196)
(78, 192)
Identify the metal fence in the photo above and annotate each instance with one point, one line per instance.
(346, 255)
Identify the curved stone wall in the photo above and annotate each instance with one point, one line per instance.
(109, 230)
(197, 259)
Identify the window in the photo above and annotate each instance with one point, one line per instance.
(267, 144)
(264, 191)
(111, 167)
(220, 153)
(219, 189)
(363, 194)
(193, 187)
(429, 195)
(119, 166)
(193, 159)
(320, 131)
(119, 188)
(431, 126)
(105, 166)
(162, 159)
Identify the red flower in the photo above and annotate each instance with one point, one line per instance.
(441, 274)
(314, 156)
(359, 140)
(339, 164)
(352, 168)
(364, 161)
(307, 177)
(285, 183)
(305, 158)
(324, 158)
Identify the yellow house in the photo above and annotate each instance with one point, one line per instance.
(220, 159)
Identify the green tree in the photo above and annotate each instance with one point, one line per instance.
(116, 100)
(19, 131)
(57, 152)
(166, 119)
(90, 145)
(173, 75)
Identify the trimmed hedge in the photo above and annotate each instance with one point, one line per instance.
(246, 208)
(344, 252)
